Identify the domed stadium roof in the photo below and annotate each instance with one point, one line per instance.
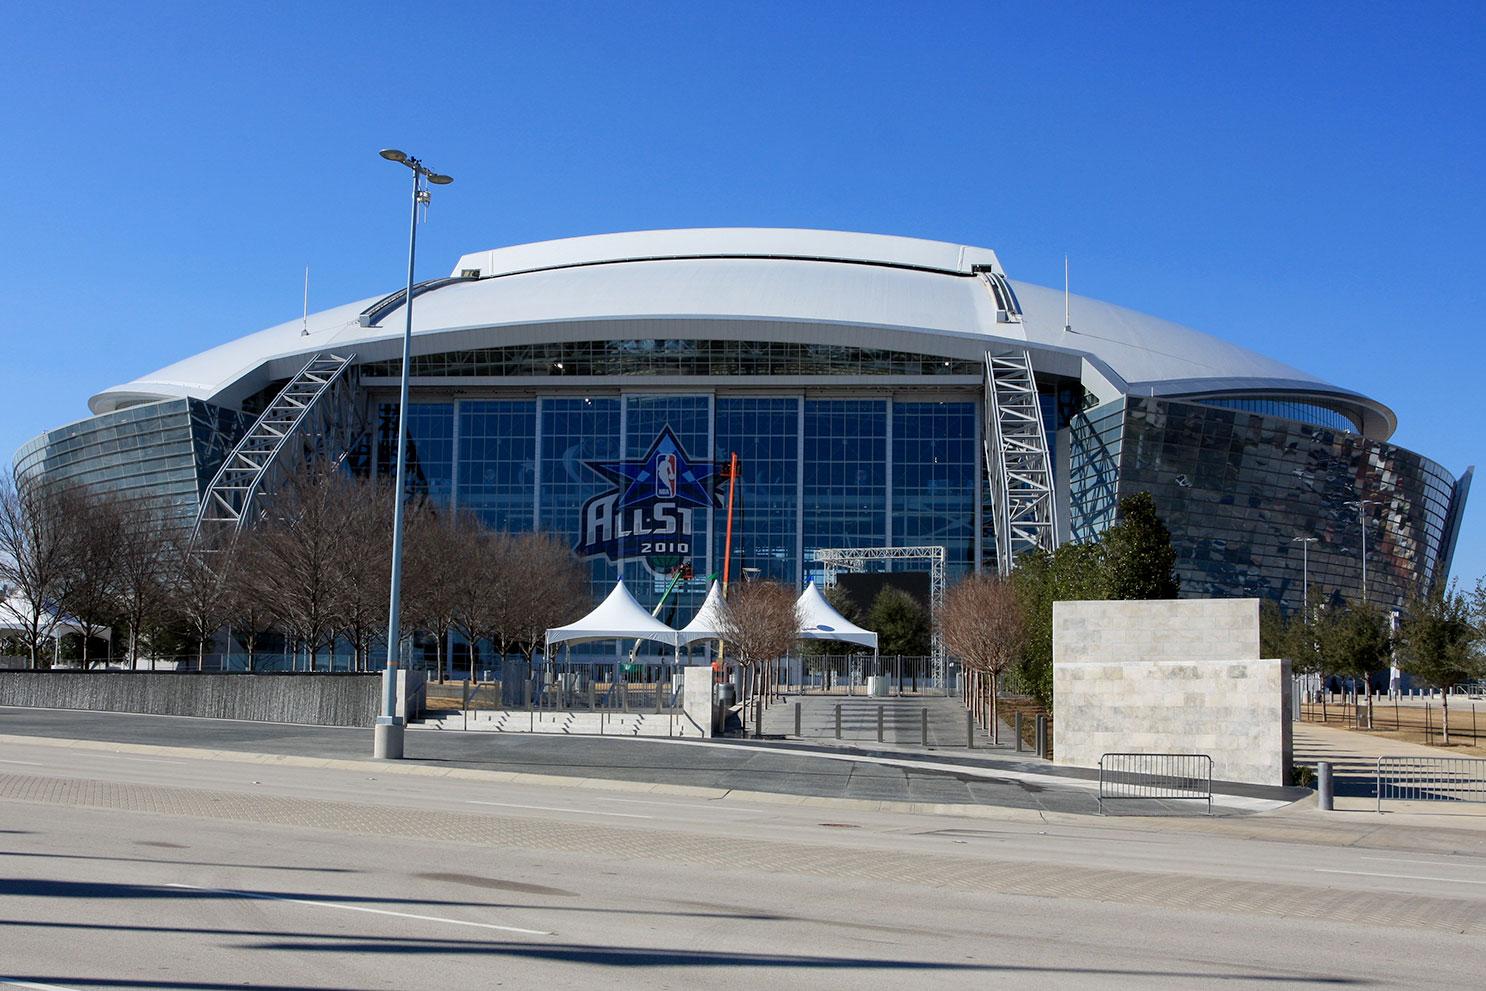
(865, 290)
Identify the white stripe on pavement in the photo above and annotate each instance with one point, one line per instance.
(1432, 863)
(361, 908)
(1400, 877)
(549, 808)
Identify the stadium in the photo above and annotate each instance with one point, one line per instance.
(878, 392)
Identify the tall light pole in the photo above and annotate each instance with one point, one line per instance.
(1362, 505)
(1305, 572)
(388, 733)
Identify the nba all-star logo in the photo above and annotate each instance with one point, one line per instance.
(649, 512)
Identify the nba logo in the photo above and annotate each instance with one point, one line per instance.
(665, 476)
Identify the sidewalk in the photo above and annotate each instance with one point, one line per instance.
(1354, 755)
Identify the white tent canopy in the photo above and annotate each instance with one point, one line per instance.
(705, 625)
(618, 617)
(820, 621)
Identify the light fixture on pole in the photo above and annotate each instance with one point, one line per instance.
(387, 737)
(1305, 571)
(1361, 505)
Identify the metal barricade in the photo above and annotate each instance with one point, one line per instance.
(1156, 776)
(1431, 779)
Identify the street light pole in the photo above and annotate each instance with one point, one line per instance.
(1362, 505)
(387, 740)
(1305, 571)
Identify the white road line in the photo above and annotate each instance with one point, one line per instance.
(1434, 863)
(1402, 877)
(362, 908)
(28, 763)
(29, 984)
(549, 808)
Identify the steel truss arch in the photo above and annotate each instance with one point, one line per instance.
(316, 412)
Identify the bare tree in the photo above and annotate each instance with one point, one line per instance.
(36, 559)
(91, 598)
(302, 547)
(984, 626)
(365, 562)
(482, 592)
(250, 608)
(548, 588)
(144, 570)
(435, 550)
(202, 585)
(760, 621)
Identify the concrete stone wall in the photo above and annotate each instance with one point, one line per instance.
(1183, 676)
(1158, 630)
(319, 699)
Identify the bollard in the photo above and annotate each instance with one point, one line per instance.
(1323, 785)
(838, 720)
(1018, 730)
(797, 720)
(970, 729)
(879, 723)
(924, 725)
(1042, 736)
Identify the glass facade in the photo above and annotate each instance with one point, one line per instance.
(765, 434)
(815, 472)
(1094, 438)
(167, 450)
(671, 357)
(935, 466)
(498, 462)
(1236, 489)
(430, 454)
(1318, 416)
(845, 471)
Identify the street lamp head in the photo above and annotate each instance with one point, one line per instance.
(439, 180)
(393, 155)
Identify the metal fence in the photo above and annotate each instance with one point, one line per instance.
(588, 689)
(1156, 777)
(856, 674)
(1431, 779)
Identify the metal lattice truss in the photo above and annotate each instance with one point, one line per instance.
(315, 414)
(1017, 459)
(835, 560)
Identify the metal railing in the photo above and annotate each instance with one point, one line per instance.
(1156, 777)
(1431, 779)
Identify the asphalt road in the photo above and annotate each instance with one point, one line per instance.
(120, 870)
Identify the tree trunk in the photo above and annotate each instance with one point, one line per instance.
(251, 653)
(1445, 716)
(995, 717)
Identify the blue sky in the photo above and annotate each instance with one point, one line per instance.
(1305, 180)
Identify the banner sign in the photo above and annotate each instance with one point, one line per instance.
(650, 510)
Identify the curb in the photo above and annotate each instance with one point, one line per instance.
(556, 780)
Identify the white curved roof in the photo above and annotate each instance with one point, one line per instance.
(763, 284)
